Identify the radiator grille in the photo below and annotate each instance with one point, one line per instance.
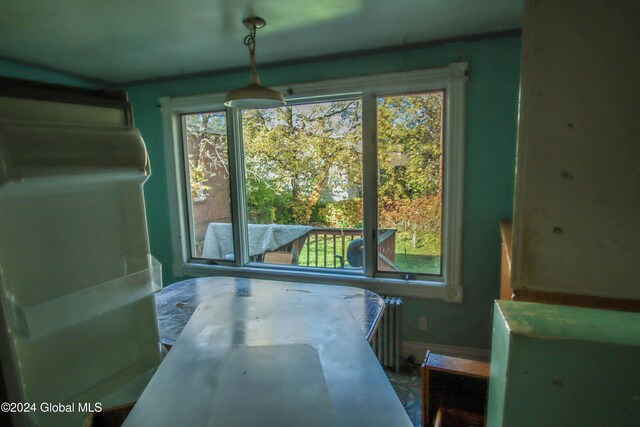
(386, 339)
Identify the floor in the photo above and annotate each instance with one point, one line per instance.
(407, 387)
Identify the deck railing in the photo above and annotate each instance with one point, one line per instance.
(327, 247)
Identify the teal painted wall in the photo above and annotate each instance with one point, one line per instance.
(489, 169)
(19, 71)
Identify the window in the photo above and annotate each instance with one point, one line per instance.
(409, 146)
(204, 135)
(355, 181)
(303, 182)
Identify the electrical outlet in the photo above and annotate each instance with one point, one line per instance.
(422, 323)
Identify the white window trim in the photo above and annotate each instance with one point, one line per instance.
(451, 78)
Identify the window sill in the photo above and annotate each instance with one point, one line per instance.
(382, 286)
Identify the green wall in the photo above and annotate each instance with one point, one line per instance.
(20, 71)
(490, 161)
(489, 171)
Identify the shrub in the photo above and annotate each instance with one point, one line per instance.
(342, 214)
(419, 216)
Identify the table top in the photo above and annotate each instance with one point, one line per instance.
(176, 303)
(289, 357)
(218, 240)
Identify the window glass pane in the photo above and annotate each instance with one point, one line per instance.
(304, 184)
(208, 192)
(410, 182)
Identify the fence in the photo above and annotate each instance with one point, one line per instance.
(327, 247)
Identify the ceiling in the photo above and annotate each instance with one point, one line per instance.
(120, 41)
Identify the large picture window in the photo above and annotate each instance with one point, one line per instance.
(356, 181)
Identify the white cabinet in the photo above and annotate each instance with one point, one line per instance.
(77, 314)
(576, 224)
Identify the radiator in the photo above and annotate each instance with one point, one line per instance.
(386, 339)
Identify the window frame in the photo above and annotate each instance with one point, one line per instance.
(451, 80)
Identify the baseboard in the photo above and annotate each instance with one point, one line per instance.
(418, 349)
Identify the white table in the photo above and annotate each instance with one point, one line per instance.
(176, 303)
(298, 359)
(218, 241)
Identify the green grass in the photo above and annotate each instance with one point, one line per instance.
(426, 245)
(418, 263)
(424, 258)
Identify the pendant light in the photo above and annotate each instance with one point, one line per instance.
(254, 95)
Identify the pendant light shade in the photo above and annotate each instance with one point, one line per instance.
(254, 95)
